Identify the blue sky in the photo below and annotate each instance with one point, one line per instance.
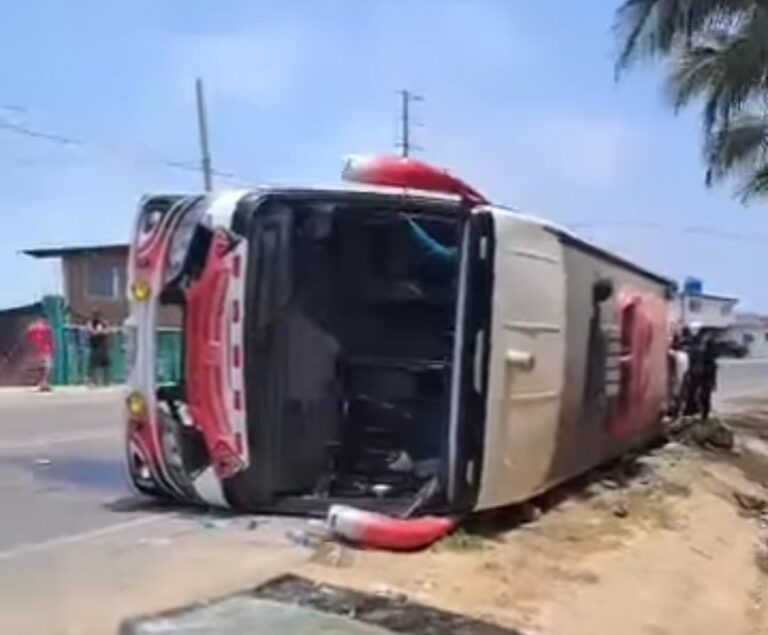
(519, 100)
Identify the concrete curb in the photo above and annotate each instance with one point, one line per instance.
(33, 395)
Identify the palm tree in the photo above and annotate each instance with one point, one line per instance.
(718, 51)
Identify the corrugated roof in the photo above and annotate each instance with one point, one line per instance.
(58, 252)
(711, 296)
(21, 310)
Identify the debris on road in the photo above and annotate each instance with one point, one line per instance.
(621, 510)
(332, 554)
(378, 531)
(215, 523)
(751, 505)
(304, 538)
(43, 462)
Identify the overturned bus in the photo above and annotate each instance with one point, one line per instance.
(401, 345)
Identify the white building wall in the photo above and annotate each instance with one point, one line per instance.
(708, 311)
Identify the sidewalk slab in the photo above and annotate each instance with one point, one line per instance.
(240, 615)
(292, 605)
(59, 393)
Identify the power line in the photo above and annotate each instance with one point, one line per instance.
(37, 134)
(72, 142)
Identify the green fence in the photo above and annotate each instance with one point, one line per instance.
(76, 353)
(71, 350)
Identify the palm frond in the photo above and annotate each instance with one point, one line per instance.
(728, 71)
(741, 146)
(696, 73)
(756, 186)
(647, 28)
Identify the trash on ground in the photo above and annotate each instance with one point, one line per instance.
(215, 523)
(43, 462)
(620, 510)
(305, 538)
(385, 591)
(333, 554)
(378, 531)
(753, 505)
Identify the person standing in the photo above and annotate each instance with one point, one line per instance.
(708, 379)
(40, 341)
(678, 376)
(693, 342)
(98, 351)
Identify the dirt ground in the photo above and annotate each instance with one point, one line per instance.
(672, 543)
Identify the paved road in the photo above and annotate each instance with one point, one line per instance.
(78, 553)
(739, 377)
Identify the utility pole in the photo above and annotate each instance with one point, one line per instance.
(405, 143)
(202, 122)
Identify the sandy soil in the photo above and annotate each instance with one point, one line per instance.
(675, 543)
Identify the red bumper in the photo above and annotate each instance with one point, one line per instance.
(207, 359)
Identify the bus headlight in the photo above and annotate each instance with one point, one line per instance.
(136, 405)
(140, 291)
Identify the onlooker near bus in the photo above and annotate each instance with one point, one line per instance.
(703, 373)
(98, 351)
(692, 343)
(40, 341)
(708, 380)
(678, 376)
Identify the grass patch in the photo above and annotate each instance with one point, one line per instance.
(462, 540)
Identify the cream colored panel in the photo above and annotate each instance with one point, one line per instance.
(526, 362)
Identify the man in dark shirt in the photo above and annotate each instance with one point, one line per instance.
(708, 379)
(98, 350)
(703, 374)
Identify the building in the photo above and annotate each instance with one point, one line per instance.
(751, 331)
(694, 307)
(95, 279)
(706, 310)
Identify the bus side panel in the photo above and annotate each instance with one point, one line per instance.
(592, 429)
(526, 365)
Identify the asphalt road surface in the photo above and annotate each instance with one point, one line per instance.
(79, 552)
(739, 377)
